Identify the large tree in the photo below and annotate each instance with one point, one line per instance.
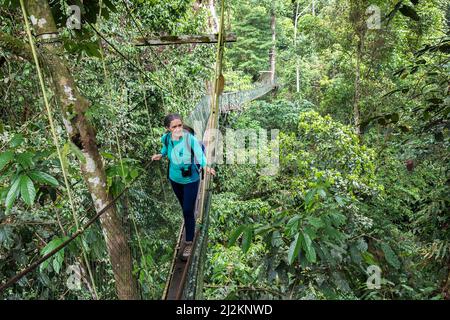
(73, 108)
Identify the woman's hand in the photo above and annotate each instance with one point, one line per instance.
(210, 171)
(156, 157)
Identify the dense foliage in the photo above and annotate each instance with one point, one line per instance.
(341, 203)
(363, 178)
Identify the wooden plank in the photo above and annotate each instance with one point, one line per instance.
(184, 39)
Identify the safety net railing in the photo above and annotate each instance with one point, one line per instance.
(229, 101)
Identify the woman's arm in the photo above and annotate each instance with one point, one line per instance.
(163, 149)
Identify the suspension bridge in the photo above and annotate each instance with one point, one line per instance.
(185, 278)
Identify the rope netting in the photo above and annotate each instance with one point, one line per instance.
(229, 101)
(235, 100)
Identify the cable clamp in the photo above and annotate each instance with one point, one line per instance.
(48, 37)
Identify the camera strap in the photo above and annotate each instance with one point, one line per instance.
(193, 157)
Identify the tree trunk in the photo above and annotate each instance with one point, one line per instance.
(297, 60)
(358, 20)
(446, 287)
(272, 51)
(214, 22)
(73, 107)
(356, 111)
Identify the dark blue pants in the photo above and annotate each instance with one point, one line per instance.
(187, 194)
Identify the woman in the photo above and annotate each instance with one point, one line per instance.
(184, 153)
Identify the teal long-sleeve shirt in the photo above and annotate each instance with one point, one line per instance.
(179, 154)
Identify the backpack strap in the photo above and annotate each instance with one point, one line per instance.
(188, 145)
(193, 157)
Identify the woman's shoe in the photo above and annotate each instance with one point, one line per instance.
(187, 250)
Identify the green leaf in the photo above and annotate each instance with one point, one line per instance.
(368, 258)
(12, 194)
(52, 245)
(292, 225)
(316, 222)
(235, 235)
(309, 249)
(390, 255)
(58, 260)
(109, 5)
(322, 193)
(309, 197)
(247, 238)
(43, 178)
(27, 190)
(261, 230)
(65, 155)
(134, 173)
(49, 248)
(107, 155)
(5, 158)
(16, 140)
(92, 49)
(337, 219)
(294, 248)
(339, 200)
(25, 159)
